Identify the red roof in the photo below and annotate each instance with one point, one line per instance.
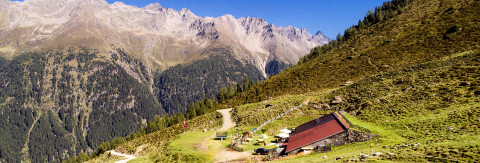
(315, 130)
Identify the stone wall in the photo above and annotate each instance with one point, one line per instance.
(335, 140)
(358, 136)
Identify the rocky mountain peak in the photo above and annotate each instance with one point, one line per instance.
(252, 21)
(304, 31)
(321, 38)
(154, 6)
(294, 34)
(227, 18)
(119, 4)
(187, 14)
(319, 33)
(97, 2)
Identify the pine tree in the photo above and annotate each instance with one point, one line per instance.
(246, 84)
(191, 112)
(360, 24)
(221, 95)
(230, 91)
(239, 88)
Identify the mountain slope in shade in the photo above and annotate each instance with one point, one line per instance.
(58, 103)
(162, 36)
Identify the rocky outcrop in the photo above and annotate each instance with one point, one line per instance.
(337, 100)
(206, 30)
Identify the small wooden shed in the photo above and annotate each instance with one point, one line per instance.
(247, 134)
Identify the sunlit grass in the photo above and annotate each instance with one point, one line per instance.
(189, 144)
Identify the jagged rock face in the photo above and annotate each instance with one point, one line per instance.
(162, 37)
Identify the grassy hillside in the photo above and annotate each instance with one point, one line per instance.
(154, 147)
(434, 105)
(427, 112)
(421, 31)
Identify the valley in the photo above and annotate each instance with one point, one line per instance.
(100, 82)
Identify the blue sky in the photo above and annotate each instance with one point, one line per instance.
(329, 16)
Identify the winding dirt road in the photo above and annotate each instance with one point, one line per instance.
(227, 120)
(227, 123)
(128, 157)
(227, 154)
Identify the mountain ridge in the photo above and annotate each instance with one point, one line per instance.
(158, 35)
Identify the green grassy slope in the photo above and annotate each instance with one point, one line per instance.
(154, 147)
(423, 31)
(435, 104)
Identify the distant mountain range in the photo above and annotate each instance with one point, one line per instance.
(162, 37)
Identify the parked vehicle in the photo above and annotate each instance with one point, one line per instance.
(261, 151)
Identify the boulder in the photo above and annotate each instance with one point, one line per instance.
(337, 100)
(464, 84)
(363, 156)
(378, 154)
(347, 83)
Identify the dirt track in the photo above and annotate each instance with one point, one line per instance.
(128, 157)
(225, 154)
(227, 120)
(227, 123)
